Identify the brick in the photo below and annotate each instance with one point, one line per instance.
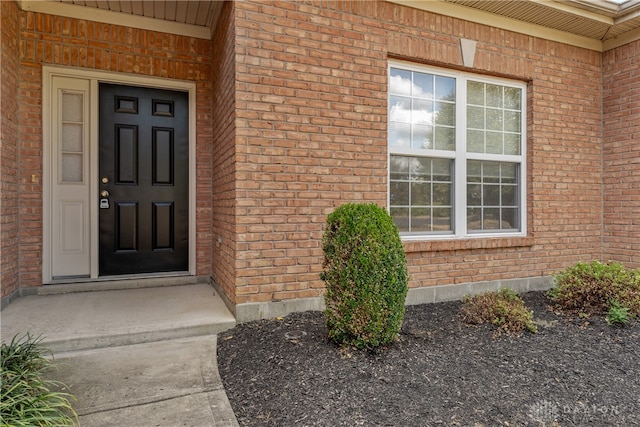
(292, 122)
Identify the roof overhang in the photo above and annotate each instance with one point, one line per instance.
(592, 24)
(192, 18)
(598, 25)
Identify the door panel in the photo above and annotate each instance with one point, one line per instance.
(144, 158)
(68, 178)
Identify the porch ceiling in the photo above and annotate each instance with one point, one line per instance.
(192, 12)
(600, 20)
(197, 18)
(595, 24)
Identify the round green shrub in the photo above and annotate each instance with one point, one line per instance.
(365, 273)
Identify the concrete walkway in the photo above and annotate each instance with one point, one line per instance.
(134, 357)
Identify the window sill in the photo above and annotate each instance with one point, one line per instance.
(467, 244)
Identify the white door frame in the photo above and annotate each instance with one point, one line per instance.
(96, 77)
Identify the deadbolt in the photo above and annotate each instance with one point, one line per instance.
(104, 193)
(105, 180)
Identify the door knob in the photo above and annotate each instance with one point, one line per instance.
(104, 193)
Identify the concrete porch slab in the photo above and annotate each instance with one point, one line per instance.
(88, 320)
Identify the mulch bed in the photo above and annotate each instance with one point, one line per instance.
(440, 372)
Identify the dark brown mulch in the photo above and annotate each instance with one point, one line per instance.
(441, 372)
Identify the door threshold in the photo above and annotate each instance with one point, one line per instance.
(111, 283)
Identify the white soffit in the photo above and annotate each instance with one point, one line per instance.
(597, 25)
(192, 18)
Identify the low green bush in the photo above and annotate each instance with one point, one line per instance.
(365, 273)
(618, 315)
(27, 399)
(503, 308)
(600, 289)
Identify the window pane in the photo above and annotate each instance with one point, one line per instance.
(421, 219)
(399, 134)
(445, 113)
(422, 137)
(421, 169)
(475, 117)
(475, 93)
(494, 96)
(401, 218)
(423, 85)
(444, 138)
(508, 173)
(72, 168)
(491, 219)
(512, 97)
(474, 195)
(72, 107)
(445, 88)
(442, 170)
(494, 143)
(420, 194)
(509, 195)
(441, 194)
(422, 112)
(400, 109)
(474, 171)
(72, 137)
(474, 219)
(512, 144)
(490, 172)
(475, 141)
(510, 219)
(442, 219)
(512, 121)
(399, 168)
(493, 197)
(494, 119)
(400, 82)
(429, 185)
(399, 195)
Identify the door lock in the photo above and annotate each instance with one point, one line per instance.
(105, 180)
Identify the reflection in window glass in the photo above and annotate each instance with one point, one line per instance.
(494, 117)
(492, 196)
(426, 103)
(427, 152)
(420, 195)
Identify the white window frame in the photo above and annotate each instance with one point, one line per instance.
(460, 155)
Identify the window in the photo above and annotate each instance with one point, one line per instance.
(456, 153)
(72, 127)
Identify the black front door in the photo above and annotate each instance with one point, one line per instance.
(144, 180)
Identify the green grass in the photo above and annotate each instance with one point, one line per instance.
(27, 398)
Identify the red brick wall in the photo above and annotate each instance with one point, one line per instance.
(621, 68)
(306, 129)
(9, 249)
(53, 40)
(224, 152)
(312, 122)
